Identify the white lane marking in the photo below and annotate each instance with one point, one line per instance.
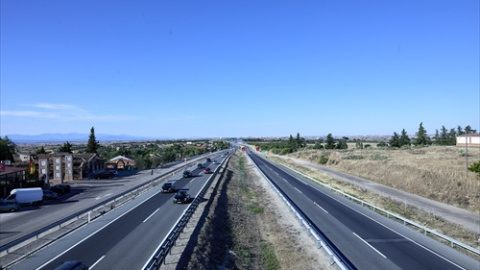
(315, 203)
(151, 215)
(103, 196)
(93, 265)
(298, 190)
(284, 180)
(370, 245)
(95, 232)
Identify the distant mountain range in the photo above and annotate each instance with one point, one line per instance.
(75, 137)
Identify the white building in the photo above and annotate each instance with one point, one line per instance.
(468, 140)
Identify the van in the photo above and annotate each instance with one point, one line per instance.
(26, 196)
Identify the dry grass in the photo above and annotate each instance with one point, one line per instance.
(438, 173)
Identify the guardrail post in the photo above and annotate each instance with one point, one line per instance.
(89, 216)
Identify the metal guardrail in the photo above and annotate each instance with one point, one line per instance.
(85, 214)
(389, 214)
(321, 240)
(159, 256)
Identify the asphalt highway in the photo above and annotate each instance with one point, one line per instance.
(127, 236)
(366, 239)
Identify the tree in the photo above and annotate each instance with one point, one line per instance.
(421, 136)
(394, 140)
(300, 142)
(469, 130)
(7, 149)
(92, 145)
(443, 139)
(292, 144)
(66, 148)
(41, 151)
(342, 143)
(404, 139)
(459, 130)
(330, 142)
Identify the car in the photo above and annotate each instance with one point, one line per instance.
(49, 195)
(114, 173)
(168, 187)
(207, 171)
(60, 190)
(104, 175)
(200, 166)
(187, 173)
(9, 206)
(209, 160)
(182, 196)
(66, 187)
(72, 265)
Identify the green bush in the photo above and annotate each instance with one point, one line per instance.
(322, 160)
(475, 167)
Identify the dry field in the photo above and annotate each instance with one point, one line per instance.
(438, 173)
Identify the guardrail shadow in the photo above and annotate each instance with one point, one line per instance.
(218, 229)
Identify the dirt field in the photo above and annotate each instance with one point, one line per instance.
(249, 227)
(439, 173)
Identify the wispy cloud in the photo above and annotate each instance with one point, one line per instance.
(62, 112)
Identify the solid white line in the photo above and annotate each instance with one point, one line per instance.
(370, 245)
(388, 228)
(151, 215)
(92, 234)
(103, 196)
(93, 265)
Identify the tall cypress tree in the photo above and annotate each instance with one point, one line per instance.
(404, 139)
(329, 142)
(92, 145)
(422, 137)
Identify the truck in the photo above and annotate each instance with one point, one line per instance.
(26, 196)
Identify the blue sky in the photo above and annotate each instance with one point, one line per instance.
(238, 68)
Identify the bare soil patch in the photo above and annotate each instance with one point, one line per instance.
(249, 227)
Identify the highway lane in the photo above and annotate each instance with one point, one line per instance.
(85, 194)
(364, 239)
(126, 238)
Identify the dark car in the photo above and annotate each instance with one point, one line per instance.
(104, 175)
(187, 174)
(209, 160)
(207, 171)
(59, 189)
(168, 187)
(9, 206)
(200, 166)
(72, 265)
(49, 195)
(65, 187)
(182, 196)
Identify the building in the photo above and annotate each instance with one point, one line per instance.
(468, 140)
(63, 167)
(10, 178)
(120, 163)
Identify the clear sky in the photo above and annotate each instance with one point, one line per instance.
(193, 68)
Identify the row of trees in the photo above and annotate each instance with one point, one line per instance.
(442, 137)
